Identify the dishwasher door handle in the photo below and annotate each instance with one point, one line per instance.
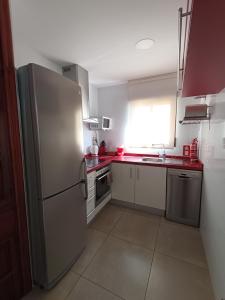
(184, 177)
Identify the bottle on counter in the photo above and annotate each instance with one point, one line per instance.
(102, 148)
(186, 151)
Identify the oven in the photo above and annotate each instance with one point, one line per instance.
(103, 184)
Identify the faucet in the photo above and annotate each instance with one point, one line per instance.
(163, 155)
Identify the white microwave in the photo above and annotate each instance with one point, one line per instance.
(104, 123)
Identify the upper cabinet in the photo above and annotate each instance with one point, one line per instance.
(203, 62)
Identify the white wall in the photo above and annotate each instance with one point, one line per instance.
(113, 102)
(89, 134)
(23, 55)
(213, 197)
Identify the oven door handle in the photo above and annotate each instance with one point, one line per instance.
(105, 174)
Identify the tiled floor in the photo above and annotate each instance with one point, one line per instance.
(135, 256)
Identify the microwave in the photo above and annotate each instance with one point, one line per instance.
(104, 123)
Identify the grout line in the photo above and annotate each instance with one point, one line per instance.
(99, 285)
(98, 250)
(67, 295)
(153, 256)
(131, 243)
(182, 260)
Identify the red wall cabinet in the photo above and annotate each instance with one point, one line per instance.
(204, 71)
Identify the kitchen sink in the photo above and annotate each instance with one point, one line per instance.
(153, 159)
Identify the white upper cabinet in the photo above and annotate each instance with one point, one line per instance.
(123, 182)
(150, 186)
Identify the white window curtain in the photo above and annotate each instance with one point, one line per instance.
(151, 122)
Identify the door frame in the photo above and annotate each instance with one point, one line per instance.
(9, 94)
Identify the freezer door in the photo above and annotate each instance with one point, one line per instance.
(65, 231)
(57, 113)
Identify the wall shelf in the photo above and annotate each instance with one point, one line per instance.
(191, 121)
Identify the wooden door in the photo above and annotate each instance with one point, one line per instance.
(15, 278)
(150, 186)
(123, 182)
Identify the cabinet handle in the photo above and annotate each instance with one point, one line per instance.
(138, 173)
(131, 173)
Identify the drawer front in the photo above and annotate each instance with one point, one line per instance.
(90, 205)
(91, 192)
(91, 181)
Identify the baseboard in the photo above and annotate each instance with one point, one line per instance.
(151, 210)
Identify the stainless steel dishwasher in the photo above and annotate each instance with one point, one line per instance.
(184, 196)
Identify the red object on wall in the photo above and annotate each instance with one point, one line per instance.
(186, 150)
(205, 62)
(194, 150)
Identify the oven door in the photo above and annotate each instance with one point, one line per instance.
(103, 186)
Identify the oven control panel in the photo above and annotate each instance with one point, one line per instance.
(103, 170)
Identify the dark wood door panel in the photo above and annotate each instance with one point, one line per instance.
(15, 277)
(8, 224)
(10, 283)
(9, 288)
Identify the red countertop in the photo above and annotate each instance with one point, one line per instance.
(176, 162)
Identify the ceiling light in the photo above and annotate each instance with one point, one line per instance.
(144, 44)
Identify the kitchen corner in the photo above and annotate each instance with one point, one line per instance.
(112, 177)
(112, 165)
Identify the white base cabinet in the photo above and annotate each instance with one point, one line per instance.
(141, 185)
(150, 186)
(91, 192)
(123, 182)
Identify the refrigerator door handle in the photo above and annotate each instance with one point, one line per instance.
(84, 181)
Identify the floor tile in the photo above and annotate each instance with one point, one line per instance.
(172, 279)
(153, 218)
(137, 229)
(94, 241)
(86, 290)
(107, 219)
(59, 292)
(178, 225)
(181, 243)
(122, 268)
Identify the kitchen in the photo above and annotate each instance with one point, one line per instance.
(150, 128)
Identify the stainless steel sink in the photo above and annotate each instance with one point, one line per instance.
(153, 159)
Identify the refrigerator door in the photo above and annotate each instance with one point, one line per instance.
(65, 227)
(57, 113)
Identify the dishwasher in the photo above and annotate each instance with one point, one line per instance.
(183, 197)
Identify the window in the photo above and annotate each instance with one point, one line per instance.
(151, 123)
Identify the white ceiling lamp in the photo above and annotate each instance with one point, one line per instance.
(144, 44)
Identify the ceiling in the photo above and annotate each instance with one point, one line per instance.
(100, 35)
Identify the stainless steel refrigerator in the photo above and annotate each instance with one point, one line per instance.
(51, 122)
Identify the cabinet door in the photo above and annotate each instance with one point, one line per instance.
(123, 182)
(150, 186)
(205, 70)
